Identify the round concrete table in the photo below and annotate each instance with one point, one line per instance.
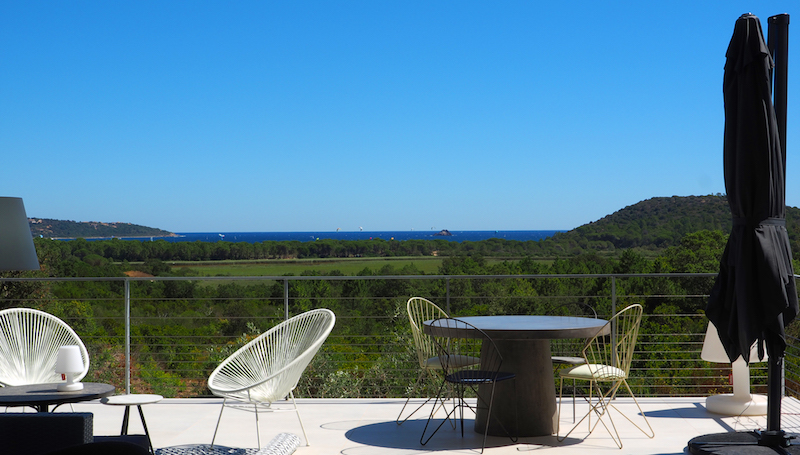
(524, 343)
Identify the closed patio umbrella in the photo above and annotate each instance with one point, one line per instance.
(754, 296)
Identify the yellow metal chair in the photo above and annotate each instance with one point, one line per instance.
(566, 351)
(607, 363)
(419, 311)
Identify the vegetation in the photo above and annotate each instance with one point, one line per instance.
(649, 227)
(45, 227)
(659, 223)
(182, 329)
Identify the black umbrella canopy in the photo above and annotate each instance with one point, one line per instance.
(754, 296)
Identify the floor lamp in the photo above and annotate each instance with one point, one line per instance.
(16, 242)
(740, 402)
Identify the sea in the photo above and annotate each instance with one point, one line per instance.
(257, 237)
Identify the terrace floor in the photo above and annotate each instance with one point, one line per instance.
(367, 427)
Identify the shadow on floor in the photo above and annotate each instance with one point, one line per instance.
(406, 437)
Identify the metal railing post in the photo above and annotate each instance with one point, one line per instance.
(447, 287)
(613, 295)
(613, 312)
(127, 336)
(286, 299)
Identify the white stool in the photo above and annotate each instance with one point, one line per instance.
(137, 400)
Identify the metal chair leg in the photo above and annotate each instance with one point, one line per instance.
(218, 420)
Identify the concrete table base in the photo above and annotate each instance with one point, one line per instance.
(526, 406)
(533, 388)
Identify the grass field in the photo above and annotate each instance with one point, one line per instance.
(279, 267)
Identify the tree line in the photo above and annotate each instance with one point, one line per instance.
(649, 226)
(117, 250)
(183, 329)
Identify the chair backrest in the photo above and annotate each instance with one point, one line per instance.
(617, 347)
(268, 368)
(419, 311)
(573, 308)
(465, 342)
(29, 342)
(570, 346)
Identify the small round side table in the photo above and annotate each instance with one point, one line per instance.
(134, 399)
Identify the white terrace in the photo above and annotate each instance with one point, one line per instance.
(367, 427)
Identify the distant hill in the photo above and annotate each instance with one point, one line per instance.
(662, 222)
(50, 228)
(653, 224)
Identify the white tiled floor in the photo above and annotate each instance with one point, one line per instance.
(366, 427)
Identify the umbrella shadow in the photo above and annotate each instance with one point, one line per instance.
(406, 437)
(698, 411)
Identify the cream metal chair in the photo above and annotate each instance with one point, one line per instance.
(268, 368)
(566, 350)
(607, 367)
(419, 311)
(29, 342)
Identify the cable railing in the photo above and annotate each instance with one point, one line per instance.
(166, 334)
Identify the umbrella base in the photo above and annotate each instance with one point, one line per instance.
(744, 443)
(731, 405)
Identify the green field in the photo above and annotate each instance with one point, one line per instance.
(347, 266)
(279, 267)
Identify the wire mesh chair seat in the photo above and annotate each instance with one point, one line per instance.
(420, 310)
(29, 342)
(464, 339)
(268, 368)
(607, 362)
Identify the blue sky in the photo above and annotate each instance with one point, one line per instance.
(199, 116)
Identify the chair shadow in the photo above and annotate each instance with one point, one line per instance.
(390, 435)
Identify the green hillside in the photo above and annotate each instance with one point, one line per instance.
(661, 222)
(46, 227)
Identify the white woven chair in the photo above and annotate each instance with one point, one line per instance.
(29, 342)
(268, 368)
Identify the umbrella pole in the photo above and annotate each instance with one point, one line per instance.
(774, 436)
(779, 48)
(778, 42)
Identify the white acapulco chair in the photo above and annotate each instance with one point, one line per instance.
(29, 342)
(268, 368)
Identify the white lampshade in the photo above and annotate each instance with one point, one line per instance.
(69, 360)
(16, 242)
(713, 351)
(68, 364)
(741, 401)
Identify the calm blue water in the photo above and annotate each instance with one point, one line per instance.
(256, 237)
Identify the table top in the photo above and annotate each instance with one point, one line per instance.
(42, 395)
(132, 399)
(526, 327)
